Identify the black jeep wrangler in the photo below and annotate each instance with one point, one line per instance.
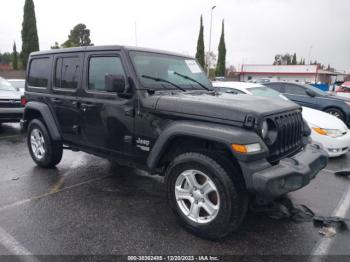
(158, 111)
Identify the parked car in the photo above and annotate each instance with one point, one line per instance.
(310, 96)
(158, 111)
(18, 84)
(326, 129)
(11, 109)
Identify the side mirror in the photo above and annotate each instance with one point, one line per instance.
(115, 83)
(311, 93)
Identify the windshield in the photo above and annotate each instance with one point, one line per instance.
(318, 91)
(17, 83)
(264, 91)
(6, 86)
(180, 71)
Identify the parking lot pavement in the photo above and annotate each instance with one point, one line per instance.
(86, 207)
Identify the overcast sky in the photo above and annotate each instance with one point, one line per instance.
(255, 30)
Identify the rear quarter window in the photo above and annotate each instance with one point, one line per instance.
(39, 72)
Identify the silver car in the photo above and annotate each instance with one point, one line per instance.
(11, 108)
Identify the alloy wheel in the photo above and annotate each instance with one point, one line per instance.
(197, 196)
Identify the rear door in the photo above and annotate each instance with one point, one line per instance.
(67, 75)
(108, 119)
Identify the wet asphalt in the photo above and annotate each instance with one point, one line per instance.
(84, 206)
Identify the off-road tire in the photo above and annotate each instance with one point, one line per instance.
(229, 183)
(53, 149)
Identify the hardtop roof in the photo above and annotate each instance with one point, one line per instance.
(106, 48)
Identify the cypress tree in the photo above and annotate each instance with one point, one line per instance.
(14, 57)
(221, 65)
(200, 54)
(30, 41)
(294, 60)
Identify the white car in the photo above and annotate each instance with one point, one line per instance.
(11, 108)
(326, 129)
(18, 84)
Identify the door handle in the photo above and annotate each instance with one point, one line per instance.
(87, 104)
(56, 100)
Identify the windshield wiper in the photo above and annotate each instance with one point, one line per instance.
(157, 79)
(193, 80)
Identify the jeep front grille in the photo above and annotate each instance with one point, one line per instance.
(289, 135)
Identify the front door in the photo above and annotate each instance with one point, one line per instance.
(67, 74)
(298, 95)
(108, 119)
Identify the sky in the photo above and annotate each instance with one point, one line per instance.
(255, 30)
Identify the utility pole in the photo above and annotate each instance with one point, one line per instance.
(211, 23)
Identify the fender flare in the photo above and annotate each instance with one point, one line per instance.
(225, 135)
(47, 116)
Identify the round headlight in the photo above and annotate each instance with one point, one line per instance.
(264, 129)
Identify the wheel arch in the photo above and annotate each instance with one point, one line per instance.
(179, 137)
(36, 110)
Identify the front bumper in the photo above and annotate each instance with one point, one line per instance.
(11, 114)
(335, 146)
(290, 174)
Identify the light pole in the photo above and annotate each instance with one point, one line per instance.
(310, 54)
(211, 23)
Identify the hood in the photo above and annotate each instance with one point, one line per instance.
(223, 106)
(10, 95)
(338, 97)
(322, 119)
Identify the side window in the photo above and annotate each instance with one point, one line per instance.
(67, 71)
(275, 86)
(295, 89)
(100, 67)
(39, 72)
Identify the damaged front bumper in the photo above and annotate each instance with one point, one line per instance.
(288, 175)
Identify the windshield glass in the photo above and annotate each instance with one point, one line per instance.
(318, 91)
(5, 85)
(173, 69)
(264, 91)
(17, 83)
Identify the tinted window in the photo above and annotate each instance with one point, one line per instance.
(100, 67)
(39, 72)
(295, 89)
(67, 72)
(276, 86)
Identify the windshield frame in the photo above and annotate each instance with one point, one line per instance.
(190, 87)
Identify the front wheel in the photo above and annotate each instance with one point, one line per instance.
(336, 112)
(43, 149)
(205, 199)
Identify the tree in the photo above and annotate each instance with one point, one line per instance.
(285, 59)
(30, 40)
(200, 54)
(14, 57)
(294, 59)
(5, 58)
(79, 36)
(221, 65)
(55, 46)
